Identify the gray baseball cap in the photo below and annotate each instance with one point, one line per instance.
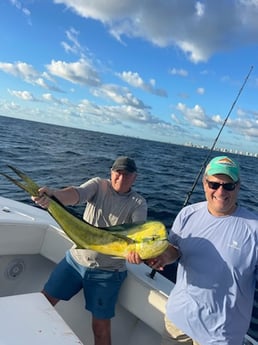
(124, 163)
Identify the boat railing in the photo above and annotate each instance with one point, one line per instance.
(249, 341)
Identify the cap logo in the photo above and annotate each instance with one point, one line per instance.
(226, 161)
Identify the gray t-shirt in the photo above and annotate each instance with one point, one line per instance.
(105, 207)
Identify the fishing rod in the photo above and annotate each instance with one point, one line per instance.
(216, 139)
(152, 273)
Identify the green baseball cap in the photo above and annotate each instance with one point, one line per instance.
(223, 165)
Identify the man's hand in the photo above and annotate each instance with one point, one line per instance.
(171, 254)
(134, 258)
(42, 199)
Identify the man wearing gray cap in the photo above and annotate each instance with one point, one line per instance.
(108, 202)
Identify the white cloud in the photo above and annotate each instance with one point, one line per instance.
(73, 45)
(118, 95)
(24, 95)
(134, 79)
(198, 28)
(19, 6)
(195, 116)
(20, 69)
(81, 72)
(244, 125)
(181, 72)
(27, 73)
(200, 90)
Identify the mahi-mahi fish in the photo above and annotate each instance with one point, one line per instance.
(148, 239)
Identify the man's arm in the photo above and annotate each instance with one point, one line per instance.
(66, 196)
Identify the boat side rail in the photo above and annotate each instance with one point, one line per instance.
(21, 238)
(29, 238)
(55, 244)
(145, 297)
(249, 341)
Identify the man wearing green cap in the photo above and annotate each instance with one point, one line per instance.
(216, 244)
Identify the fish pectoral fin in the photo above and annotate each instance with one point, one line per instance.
(123, 237)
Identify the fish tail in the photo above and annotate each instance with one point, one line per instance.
(29, 186)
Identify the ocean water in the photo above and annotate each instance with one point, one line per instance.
(59, 156)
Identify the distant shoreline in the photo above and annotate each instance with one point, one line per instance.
(223, 150)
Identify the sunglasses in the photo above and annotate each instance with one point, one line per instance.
(227, 186)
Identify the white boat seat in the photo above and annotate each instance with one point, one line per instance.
(31, 319)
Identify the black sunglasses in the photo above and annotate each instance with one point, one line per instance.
(227, 186)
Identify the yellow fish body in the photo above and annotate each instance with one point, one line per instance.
(148, 239)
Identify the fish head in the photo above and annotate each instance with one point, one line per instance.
(151, 239)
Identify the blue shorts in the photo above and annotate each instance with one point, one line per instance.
(100, 287)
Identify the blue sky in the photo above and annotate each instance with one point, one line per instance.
(158, 69)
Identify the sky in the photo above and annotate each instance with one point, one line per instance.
(177, 71)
